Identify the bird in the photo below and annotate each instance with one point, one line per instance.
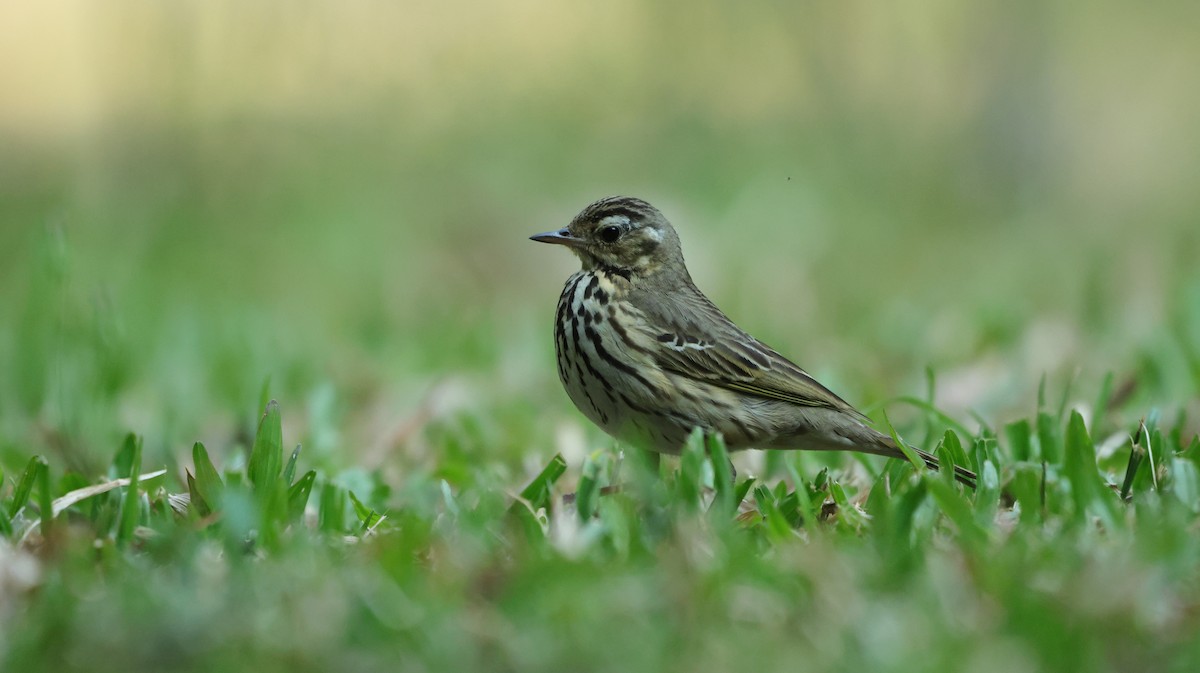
(647, 357)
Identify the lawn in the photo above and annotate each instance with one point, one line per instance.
(277, 384)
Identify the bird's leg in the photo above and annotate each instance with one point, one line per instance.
(651, 461)
(569, 498)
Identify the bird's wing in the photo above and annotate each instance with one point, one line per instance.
(698, 341)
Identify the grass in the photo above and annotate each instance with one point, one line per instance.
(277, 389)
(1057, 562)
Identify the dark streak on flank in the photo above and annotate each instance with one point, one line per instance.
(741, 427)
(617, 364)
(560, 329)
(622, 332)
(582, 356)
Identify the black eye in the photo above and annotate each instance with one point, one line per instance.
(610, 234)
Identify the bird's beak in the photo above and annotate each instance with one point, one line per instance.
(560, 237)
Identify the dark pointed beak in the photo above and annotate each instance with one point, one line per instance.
(560, 237)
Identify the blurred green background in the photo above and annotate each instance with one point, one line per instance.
(197, 198)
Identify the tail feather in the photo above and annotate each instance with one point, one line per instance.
(962, 474)
(886, 447)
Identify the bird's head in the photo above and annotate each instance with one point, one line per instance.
(622, 235)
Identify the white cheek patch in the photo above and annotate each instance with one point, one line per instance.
(654, 234)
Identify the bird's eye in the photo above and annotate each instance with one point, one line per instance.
(610, 234)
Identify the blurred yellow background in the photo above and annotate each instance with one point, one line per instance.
(341, 192)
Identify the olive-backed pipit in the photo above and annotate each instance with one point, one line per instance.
(647, 357)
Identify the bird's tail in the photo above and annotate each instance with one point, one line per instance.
(888, 448)
(962, 474)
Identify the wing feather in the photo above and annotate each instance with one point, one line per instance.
(714, 350)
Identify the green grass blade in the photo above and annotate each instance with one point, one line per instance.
(25, 485)
(957, 509)
(904, 448)
(45, 497)
(536, 496)
(1185, 483)
(367, 516)
(897, 514)
(724, 504)
(122, 463)
(289, 471)
(587, 490)
(332, 515)
(945, 459)
(1192, 452)
(776, 523)
(955, 446)
(741, 490)
(838, 494)
(1087, 487)
(1137, 457)
(264, 393)
(266, 457)
(789, 506)
(808, 494)
(537, 493)
(1079, 464)
(689, 481)
(1019, 435)
(273, 512)
(527, 521)
(1048, 438)
(131, 504)
(986, 497)
(207, 479)
(299, 493)
(197, 502)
